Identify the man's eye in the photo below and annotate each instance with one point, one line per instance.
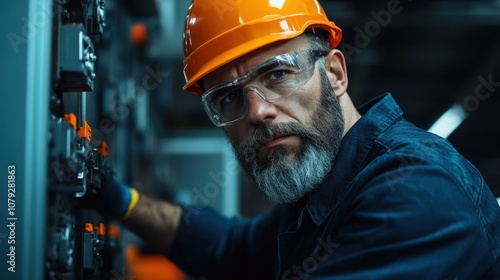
(278, 74)
(229, 98)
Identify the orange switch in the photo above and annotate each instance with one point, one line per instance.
(89, 227)
(85, 131)
(100, 229)
(71, 119)
(103, 149)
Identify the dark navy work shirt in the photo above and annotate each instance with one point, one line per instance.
(399, 203)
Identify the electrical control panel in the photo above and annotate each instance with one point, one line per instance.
(78, 92)
(80, 243)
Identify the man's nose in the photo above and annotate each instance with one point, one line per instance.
(259, 110)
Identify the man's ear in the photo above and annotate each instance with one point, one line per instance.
(336, 71)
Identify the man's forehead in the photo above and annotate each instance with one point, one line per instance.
(245, 63)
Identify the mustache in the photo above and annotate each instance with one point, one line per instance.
(266, 132)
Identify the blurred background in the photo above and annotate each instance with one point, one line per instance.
(439, 59)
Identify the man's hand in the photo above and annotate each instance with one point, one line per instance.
(153, 220)
(114, 200)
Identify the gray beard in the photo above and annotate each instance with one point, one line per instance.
(283, 180)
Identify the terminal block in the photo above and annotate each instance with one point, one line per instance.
(65, 164)
(76, 59)
(61, 243)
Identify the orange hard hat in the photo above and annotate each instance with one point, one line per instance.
(217, 32)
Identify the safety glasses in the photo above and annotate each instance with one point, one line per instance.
(275, 78)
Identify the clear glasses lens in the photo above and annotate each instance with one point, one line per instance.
(276, 78)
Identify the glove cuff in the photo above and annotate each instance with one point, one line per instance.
(116, 200)
(134, 198)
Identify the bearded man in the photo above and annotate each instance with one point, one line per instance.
(360, 193)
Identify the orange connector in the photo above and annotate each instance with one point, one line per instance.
(85, 131)
(71, 119)
(89, 227)
(103, 149)
(100, 229)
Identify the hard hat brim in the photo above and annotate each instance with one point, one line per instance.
(207, 57)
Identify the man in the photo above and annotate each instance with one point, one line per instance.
(360, 193)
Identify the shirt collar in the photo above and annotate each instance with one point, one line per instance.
(377, 115)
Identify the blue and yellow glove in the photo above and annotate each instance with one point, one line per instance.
(116, 200)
